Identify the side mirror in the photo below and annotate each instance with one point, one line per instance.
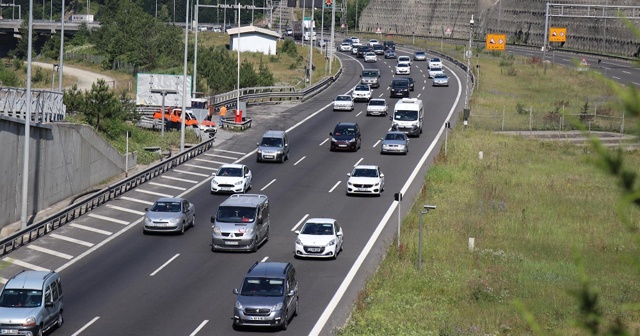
(213, 174)
(48, 304)
(330, 133)
(213, 219)
(339, 233)
(146, 209)
(291, 293)
(235, 291)
(296, 232)
(258, 144)
(381, 175)
(349, 174)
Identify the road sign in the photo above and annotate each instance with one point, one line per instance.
(557, 34)
(584, 62)
(328, 3)
(378, 30)
(584, 65)
(496, 41)
(342, 26)
(447, 32)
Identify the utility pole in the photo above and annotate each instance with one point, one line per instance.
(184, 78)
(61, 49)
(27, 126)
(195, 49)
(333, 28)
(469, 54)
(311, 25)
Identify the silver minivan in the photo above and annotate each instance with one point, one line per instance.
(274, 146)
(241, 223)
(31, 303)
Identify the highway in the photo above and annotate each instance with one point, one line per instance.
(118, 281)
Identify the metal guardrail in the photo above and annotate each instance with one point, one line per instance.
(64, 216)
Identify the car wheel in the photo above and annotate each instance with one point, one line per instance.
(284, 157)
(193, 221)
(182, 228)
(295, 312)
(285, 321)
(254, 245)
(145, 232)
(60, 320)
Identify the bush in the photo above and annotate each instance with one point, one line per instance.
(520, 109)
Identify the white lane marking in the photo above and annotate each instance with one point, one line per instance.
(136, 200)
(210, 161)
(49, 251)
(152, 192)
(325, 141)
(359, 113)
(167, 186)
(199, 328)
(264, 259)
(317, 328)
(201, 167)
(614, 77)
(190, 173)
(299, 222)
(419, 94)
(376, 144)
(221, 156)
(88, 228)
(164, 265)
(178, 179)
(302, 158)
(268, 184)
(86, 326)
(381, 95)
(566, 59)
(3, 280)
(69, 239)
(135, 212)
(357, 163)
(335, 186)
(24, 264)
(228, 151)
(635, 83)
(108, 219)
(627, 72)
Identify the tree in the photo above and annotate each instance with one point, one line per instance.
(73, 99)
(21, 49)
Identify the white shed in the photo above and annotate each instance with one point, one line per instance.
(254, 39)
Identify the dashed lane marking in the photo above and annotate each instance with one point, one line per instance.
(49, 251)
(108, 219)
(268, 184)
(167, 186)
(299, 222)
(71, 240)
(135, 212)
(302, 158)
(88, 228)
(335, 186)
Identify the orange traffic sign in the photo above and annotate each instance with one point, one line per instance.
(557, 34)
(496, 42)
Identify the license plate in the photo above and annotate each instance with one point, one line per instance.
(257, 318)
(8, 331)
(225, 189)
(231, 242)
(314, 250)
(268, 156)
(342, 145)
(362, 189)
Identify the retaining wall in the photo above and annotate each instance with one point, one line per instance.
(64, 160)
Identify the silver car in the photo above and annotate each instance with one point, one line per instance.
(169, 215)
(395, 142)
(377, 106)
(441, 79)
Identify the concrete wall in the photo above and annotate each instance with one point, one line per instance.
(64, 160)
(521, 20)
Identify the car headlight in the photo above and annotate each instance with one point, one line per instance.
(259, 151)
(175, 220)
(30, 321)
(214, 182)
(217, 231)
(376, 184)
(333, 140)
(248, 231)
(238, 183)
(277, 306)
(238, 305)
(332, 242)
(352, 140)
(147, 220)
(349, 183)
(298, 242)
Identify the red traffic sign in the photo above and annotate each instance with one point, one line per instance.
(378, 30)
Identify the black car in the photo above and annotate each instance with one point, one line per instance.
(399, 87)
(389, 45)
(411, 83)
(378, 49)
(346, 136)
(363, 50)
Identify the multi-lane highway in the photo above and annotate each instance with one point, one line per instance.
(118, 281)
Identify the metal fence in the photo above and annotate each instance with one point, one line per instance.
(46, 105)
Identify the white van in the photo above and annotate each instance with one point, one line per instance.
(408, 116)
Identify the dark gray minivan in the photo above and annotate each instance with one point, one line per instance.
(274, 146)
(241, 223)
(268, 296)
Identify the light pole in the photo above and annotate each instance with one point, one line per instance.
(184, 78)
(238, 80)
(311, 32)
(61, 49)
(195, 50)
(156, 8)
(422, 212)
(333, 25)
(469, 54)
(27, 125)
(356, 27)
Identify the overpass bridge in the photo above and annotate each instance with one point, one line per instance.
(11, 26)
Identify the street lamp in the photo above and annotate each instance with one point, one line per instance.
(468, 54)
(184, 78)
(27, 126)
(426, 208)
(61, 49)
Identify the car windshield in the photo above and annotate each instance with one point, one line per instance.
(441, 75)
(420, 53)
(318, 229)
(403, 58)
(364, 172)
(403, 65)
(166, 207)
(235, 214)
(345, 131)
(369, 73)
(343, 98)
(394, 136)
(371, 54)
(271, 142)
(27, 298)
(226, 171)
(400, 84)
(406, 115)
(376, 102)
(362, 88)
(254, 286)
(378, 46)
(435, 60)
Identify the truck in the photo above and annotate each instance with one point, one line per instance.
(297, 29)
(408, 116)
(371, 77)
(79, 18)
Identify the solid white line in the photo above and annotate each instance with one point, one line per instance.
(178, 179)
(268, 184)
(614, 77)
(201, 167)
(358, 114)
(210, 161)
(376, 144)
(190, 173)
(221, 156)
(635, 83)
(264, 259)
(49, 251)
(357, 163)
(627, 72)
(24, 264)
(299, 222)
(152, 192)
(317, 328)
(88, 228)
(199, 328)
(228, 151)
(135, 212)
(334, 187)
(167, 186)
(69, 239)
(86, 326)
(302, 158)
(108, 219)
(164, 265)
(325, 141)
(3, 280)
(136, 200)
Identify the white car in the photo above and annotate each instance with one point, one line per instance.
(319, 238)
(404, 59)
(355, 40)
(343, 102)
(372, 42)
(403, 69)
(370, 57)
(434, 71)
(354, 48)
(435, 63)
(231, 178)
(361, 92)
(365, 179)
(377, 106)
(345, 46)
